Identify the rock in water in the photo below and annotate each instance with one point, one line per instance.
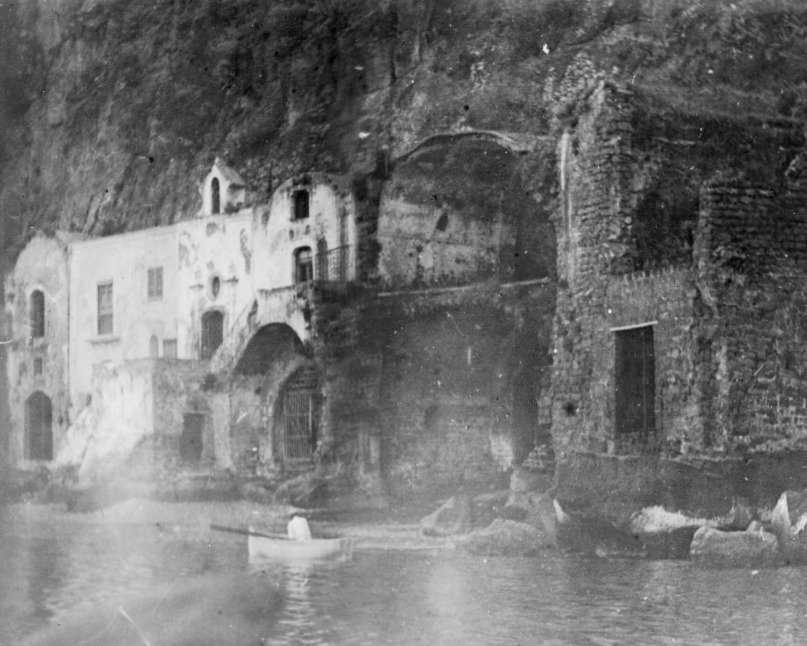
(453, 517)
(505, 538)
(752, 548)
(789, 523)
(665, 534)
(523, 481)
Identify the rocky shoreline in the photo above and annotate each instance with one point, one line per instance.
(524, 520)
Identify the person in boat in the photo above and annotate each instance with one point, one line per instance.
(298, 529)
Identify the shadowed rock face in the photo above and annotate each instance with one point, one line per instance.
(209, 610)
(112, 110)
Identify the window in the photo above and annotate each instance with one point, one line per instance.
(215, 196)
(300, 199)
(37, 314)
(303, 265)
(105, 320)
(215, 287)
(322, 259)
(169, 348)
(38, 427)
(38, 366)
(154, 347)
(212, 324)
(155, 283)
(635, 384)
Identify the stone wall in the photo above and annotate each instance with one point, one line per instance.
(752, 265)
(435, 388)
(630, 175)
(652, 230)
(458, 209)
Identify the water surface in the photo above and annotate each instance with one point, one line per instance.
(68, 581)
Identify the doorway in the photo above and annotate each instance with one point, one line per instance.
(212, 332)
(38, 427)
(191, 442)
(635, 383)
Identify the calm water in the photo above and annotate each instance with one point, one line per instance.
(70, 582)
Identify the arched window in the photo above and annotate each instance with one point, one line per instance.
(37, 313)
(212, 332)
(215, 196)
(154, 347)
(303, 265)
(38, 427)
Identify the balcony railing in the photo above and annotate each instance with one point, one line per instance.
(335, 265)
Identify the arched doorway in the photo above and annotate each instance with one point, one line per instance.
(38, 427)
(212, 332)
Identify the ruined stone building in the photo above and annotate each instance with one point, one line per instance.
(680, 319)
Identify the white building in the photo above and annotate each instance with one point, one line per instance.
(86, 313)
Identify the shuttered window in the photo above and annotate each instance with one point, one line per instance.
(105, 315)
(155, 283)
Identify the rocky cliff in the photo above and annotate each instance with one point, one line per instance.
(110, 110)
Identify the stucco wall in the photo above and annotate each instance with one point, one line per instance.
(124, 260)
(332, 218)
(208, 247)
(42, 265)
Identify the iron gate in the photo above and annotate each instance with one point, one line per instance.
(299, 424)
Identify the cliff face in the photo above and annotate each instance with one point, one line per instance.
(111, 110)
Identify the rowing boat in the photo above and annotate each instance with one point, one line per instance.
(262, 548)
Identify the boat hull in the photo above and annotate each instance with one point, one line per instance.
(262, 548)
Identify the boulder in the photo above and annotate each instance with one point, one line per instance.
(665, 534)
(789, 523)
(452, 517)
(486, 507)
(751, 548)
(594, 535)
(505, 538)
(524, 481)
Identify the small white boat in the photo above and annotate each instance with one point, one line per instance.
(263, 548)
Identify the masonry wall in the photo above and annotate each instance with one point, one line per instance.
(752, 266)
(628, 230)
(428, 388)
(457, 210)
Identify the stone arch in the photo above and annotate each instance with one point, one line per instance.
(271, 344)
(38, 427)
